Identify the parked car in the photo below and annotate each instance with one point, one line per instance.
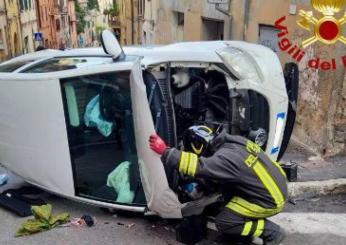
(77, 122)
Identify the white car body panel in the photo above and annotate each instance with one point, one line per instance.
(45, 158)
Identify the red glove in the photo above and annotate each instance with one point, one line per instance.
(157, 144)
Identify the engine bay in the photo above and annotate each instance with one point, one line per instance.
(200, 97)
(197, 94)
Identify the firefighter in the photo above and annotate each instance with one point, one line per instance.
(254, 186)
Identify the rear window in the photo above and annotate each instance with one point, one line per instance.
(11, 67)
(67, 63)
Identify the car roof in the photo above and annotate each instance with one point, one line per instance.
(152, 54)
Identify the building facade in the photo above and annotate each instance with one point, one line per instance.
(89, 35)
(46, 23)
(28, 23)
(96, 20)
(72, 24)
(168, 21)
(130, 21)
(3, 32)
(13, 29)
(61, 23)
(102, 18)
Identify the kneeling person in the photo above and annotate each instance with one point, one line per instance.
(254, 185)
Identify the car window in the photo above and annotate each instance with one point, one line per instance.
(67, 63)
(10, 67)
(99, 120)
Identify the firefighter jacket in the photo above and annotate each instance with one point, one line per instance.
(255, 184)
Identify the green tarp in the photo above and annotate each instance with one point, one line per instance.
(43, 220)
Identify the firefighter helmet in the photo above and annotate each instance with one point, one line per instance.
(197, 139)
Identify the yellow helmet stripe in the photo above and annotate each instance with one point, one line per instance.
(207, 128)
(197, 151)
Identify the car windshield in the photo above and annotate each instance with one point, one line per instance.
(11, 67)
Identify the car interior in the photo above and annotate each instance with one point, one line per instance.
(101, 138)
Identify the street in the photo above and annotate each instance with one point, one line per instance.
(313, 221)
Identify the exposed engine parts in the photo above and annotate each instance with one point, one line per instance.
(201, 94)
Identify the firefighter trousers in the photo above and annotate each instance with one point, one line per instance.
(231, 223)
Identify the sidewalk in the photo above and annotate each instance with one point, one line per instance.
(313, 168)
(316, 176)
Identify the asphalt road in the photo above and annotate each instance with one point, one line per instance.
(108, 229)
(310, 223)
(313, 221)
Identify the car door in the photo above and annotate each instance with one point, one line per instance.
(160, 198)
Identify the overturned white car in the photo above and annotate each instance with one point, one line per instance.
(77, 122)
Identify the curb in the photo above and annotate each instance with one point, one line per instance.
(317, 188)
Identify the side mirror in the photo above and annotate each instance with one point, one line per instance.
(111, 45)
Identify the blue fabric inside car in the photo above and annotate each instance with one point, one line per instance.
(93, 118)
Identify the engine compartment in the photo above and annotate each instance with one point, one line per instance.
(200, 96)
(196, 94)
(200, 93)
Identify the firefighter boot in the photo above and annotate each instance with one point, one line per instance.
(273, 234)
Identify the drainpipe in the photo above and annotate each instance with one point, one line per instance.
(138, 22)
(7, 34)
(246, 9)
(132, 22)
(21, 27)
(228, 22)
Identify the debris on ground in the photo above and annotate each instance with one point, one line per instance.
(130, 225)
(16, 201)
(88, 220)
(126, 225)
(43, 220)
(85, 220)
